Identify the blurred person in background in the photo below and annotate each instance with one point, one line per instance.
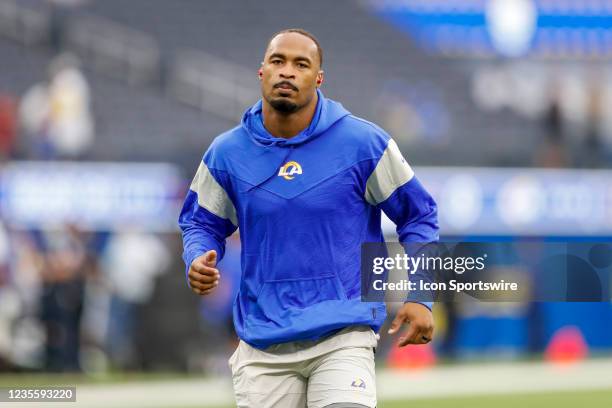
(553, 149)
(132, 261)
(8, 126)
(305, 181)
(57, 115)
(21, 334)
(26, 270)
(66, 264)
(9, 304)
(594, 146)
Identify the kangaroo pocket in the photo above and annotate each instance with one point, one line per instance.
(279, 298)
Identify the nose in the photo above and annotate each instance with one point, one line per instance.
(287, 73)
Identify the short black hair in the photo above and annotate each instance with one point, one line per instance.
(305, 34)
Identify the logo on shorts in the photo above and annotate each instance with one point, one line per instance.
(358, 383)
(288, 170)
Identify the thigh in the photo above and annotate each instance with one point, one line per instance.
(345, 375)
(260, 384)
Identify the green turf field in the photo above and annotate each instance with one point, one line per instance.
(562, 399)
(565, 399)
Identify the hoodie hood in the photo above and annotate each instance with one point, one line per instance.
(326, 114)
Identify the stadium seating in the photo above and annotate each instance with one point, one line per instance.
(371, 68)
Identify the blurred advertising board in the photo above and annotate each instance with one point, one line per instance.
(519, 202)
(471, 201)
(95, 196)
(547, 29)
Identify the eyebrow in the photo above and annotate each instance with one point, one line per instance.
(299, 58)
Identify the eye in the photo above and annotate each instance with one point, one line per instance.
(302, 65)
(275, 62)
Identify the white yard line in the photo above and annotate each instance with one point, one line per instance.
(448, 381)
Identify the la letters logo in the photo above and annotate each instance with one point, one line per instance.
(289, 169)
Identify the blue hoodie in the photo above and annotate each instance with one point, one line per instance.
(304, 206)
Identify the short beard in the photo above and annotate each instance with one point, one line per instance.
(283, 106)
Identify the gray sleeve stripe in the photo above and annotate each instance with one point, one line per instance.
(391, 172)
(212, 196)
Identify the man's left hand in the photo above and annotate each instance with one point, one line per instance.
(420, 324)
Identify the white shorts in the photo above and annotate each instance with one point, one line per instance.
(311, 374)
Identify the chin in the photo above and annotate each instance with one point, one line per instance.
(284, 105)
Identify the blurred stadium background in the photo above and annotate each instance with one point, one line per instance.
(504, 107)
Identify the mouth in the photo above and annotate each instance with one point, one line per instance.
(285, 86)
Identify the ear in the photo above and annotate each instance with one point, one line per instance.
(320, 78)
(260, 73)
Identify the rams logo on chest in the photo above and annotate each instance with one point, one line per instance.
(289, 170)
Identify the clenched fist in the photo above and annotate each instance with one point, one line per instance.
(420, 324)
(203, 274)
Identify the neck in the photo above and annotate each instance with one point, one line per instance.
(288, 126)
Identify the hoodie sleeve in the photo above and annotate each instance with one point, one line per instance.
(393, 187)
(208, 216)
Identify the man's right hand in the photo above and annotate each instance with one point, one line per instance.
(203, 276)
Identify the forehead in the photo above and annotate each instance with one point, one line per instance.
(293, 45)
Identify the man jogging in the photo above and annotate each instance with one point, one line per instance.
(305, 181)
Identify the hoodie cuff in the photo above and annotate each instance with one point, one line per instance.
(428, 305)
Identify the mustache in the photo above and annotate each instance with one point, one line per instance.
(287, 83)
